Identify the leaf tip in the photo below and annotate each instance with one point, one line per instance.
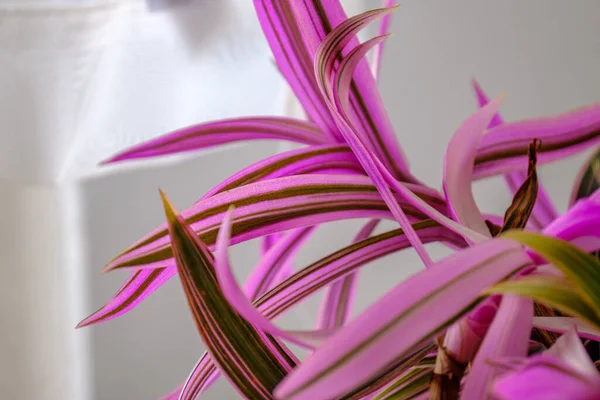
(170, 211)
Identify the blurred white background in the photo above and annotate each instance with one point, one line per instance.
(80, 80)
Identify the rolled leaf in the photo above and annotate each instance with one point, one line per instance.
(504, 148)
(366, 345)
(222, 132)
(253, 362)
(544, 210)
(321, 21)
(522, 206)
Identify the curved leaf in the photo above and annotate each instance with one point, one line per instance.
(313, 159)
(205, 372)
(458, 168)
(222, 132)
(324, 20)
(238, 300)
(267, 207)
(544, 210)
(367, 344)
(504, 148)
(253, 362)
(294, 58)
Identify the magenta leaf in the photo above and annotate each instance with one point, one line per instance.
(271, 206)
(222, 132)
(252, 361)
(544, 210)
(294, 58)
(366, 345)
(508, 336)
(504, 148)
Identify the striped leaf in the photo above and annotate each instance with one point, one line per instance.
(252, 361)
(222, 132)
(504, 148)
(294, 58)
(308, 280)
(271, 206)
(363, 348)
(260, 279)
(321, 22)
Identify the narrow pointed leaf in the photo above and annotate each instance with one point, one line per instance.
(138, 286)
(508, 336)
(222, 132)
(295, 60)
(544, 210)
(381, 31)
(238, 300)
(252, 361)
(504, 148)
(324, 272)
(328, 52)
(205, 372)
(522, 206)
(373, 166)
(313, 159)
(552, 291)
(323, 21)
(268, 207)
(366, 345)
(458, 168)
(307, 280)
(581, 268)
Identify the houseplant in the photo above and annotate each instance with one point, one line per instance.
(452, 317)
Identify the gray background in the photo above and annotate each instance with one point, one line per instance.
(545, 54)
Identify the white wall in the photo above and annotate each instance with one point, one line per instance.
(545, 54)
